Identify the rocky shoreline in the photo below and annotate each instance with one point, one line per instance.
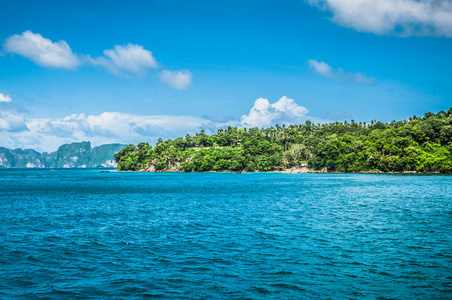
(291, 171)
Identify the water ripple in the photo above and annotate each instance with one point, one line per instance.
(84, 234)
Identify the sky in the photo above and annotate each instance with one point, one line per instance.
(126, 72)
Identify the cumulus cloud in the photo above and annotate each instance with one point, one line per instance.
(107, 127)
(5, 98)
(116, 127)
(67, 126)
(326, 70)
(179, 80)
(128, 58)
(11, 119)
(400, 17)
(42, 51)
(284, 111)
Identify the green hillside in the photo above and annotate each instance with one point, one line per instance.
(422, 144)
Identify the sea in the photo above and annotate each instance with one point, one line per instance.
(86, 234)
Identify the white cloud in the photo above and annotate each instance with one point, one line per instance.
(108, 127)
(5, 98)
(116, 127)
(129, 58)
(42, 51)
(326, 70)
(67, 126)
(11, 119)
(400, 17)
(320, 67)
(284, 111)
(179, 80)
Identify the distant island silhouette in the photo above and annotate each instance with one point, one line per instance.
(74, 155)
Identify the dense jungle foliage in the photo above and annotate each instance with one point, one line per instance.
(418, 144)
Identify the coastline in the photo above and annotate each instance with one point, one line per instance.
(291, 171)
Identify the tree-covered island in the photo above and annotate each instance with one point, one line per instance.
(416, 145)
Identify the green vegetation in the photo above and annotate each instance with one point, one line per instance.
(75, 155)
(418, 144)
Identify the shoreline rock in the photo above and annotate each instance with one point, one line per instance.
(291, 171)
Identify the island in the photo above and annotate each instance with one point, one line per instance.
(74, 155)
(418, 144)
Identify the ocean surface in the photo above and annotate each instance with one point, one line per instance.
(77, 234)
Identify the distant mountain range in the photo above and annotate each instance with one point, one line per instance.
(75, 155)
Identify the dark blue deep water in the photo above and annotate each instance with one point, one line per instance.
(82, 234)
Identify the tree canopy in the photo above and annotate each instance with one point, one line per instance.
(422, 144)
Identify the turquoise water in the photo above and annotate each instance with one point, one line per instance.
(73, 234)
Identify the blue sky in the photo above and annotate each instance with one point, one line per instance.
(112, 71)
